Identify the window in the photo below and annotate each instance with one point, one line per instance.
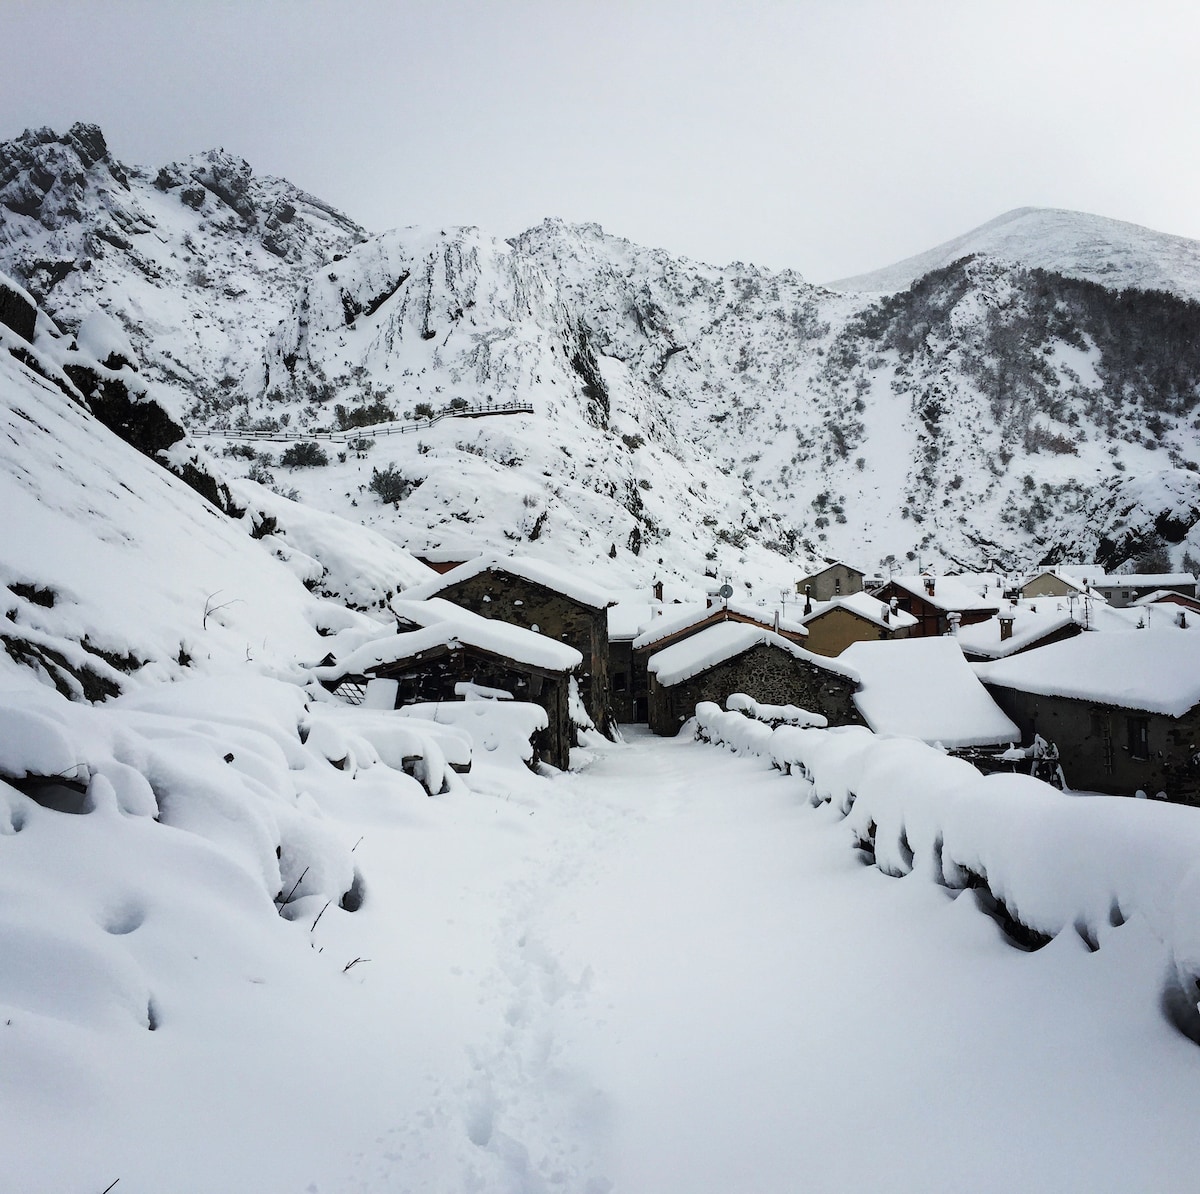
(837, 586)
(1139, 737)
(619, 682)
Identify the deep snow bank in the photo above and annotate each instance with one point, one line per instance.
(1041, 861)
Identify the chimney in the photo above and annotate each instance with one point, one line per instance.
(1182, 619)
(954, 617)
(658, 590)
(712, 599)
(807, 600)
(777, 621)
(887, 615)
(1006, 625)
(930, 585)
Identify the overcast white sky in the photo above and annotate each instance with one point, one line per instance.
(829, 137)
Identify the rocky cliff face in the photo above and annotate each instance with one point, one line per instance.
(1014, 404)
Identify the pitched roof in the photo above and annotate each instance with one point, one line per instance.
(1154, 580)
(863, 605)
(1156, 670)
(726, 640)
(1029, 627)
(535, 571)
(948, 594)
(924, 688)
(439, 623)
(664, 627)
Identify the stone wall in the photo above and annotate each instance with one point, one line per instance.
(1096, 744)
(770, 675)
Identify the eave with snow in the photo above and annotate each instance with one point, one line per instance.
(1122, 706)
(1019, 628)
(441, 647)
(931, 600)
(544, 598)
(835, 624)
(736, 657)
(627, 667)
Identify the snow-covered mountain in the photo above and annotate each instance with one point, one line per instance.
(1026, 393)
(1095, 248)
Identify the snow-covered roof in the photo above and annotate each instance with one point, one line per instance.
(665, 627)
(1028, 627)
(442, 623)
(948, 593)
(1166, 595)
(1072, 581)
(1156, 670)
(535, 571)
(726, 640)
(864, 606)
(924, 688)
(1135, 580)
(829, 567)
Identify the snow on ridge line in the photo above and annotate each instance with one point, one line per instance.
(1051, 861)
(535, 571)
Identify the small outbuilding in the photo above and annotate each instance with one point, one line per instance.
(542, 598)
(441, 650)
(737, 657)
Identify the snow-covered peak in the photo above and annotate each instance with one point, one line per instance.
(1112, 252)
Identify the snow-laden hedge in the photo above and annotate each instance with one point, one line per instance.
(1042, 861)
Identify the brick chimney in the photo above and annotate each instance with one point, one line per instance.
(930, 584)
(1006, 625)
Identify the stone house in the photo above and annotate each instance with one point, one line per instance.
(440, 651)
(933, 599)
(664, 629)
(1123, 708)
(858, 618)
(731, 657)
(538, 597)
(838, 580)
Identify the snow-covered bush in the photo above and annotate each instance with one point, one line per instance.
(306, 454)
(1041, 862)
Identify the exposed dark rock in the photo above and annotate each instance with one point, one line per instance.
(17, 313)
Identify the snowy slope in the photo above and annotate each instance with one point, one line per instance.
(1074, 243)
(117, 573)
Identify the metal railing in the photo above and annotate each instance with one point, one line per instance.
(470, 411)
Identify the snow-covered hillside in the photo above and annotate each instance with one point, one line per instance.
(1020, 405)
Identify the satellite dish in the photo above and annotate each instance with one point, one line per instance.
(726, 591)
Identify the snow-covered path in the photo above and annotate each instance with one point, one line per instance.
(664, 972)
(702, 988)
